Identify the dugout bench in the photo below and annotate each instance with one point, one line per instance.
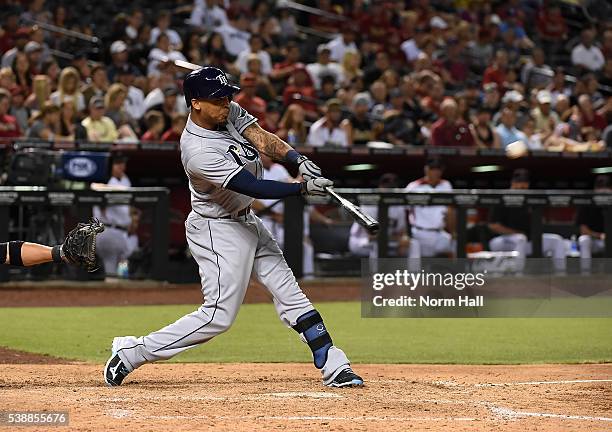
(460, 199)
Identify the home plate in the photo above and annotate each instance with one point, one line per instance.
(314, 395)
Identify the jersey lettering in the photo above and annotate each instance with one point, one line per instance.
(235, 152)
(250, 153)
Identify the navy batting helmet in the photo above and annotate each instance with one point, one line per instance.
(207, 83)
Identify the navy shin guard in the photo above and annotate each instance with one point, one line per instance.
(311, 326)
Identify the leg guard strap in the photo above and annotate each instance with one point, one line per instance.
(311, 327)
(307, 320)
(320, 342)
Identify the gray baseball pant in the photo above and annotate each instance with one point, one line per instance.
(227, 252)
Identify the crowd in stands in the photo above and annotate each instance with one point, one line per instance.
(415, 72)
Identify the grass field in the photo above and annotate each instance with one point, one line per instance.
(85, 333)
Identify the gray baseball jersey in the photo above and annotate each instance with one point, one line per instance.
(228, 250)
(212, 158)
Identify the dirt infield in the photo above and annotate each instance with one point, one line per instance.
(247, 397)
(265, 397)
(63, 293)
(9, 356)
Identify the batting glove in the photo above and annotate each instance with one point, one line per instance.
(315, 186)
(308, 168)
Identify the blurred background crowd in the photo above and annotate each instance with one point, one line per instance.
(412, 75)
(342, 73)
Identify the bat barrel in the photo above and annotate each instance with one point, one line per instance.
(363, 219)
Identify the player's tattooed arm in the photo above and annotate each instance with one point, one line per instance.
(279, 150)
(267, 142)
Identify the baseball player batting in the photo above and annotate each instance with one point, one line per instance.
(220, 148)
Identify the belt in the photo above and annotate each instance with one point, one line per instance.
(244, 212)
(428, 229)
(119, 227)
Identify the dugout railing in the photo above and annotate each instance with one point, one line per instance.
(82, 201)
(471, 167)
(461, 200)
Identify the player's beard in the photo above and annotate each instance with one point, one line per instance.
(223, 116)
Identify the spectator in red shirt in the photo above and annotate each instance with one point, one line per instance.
(432, 102)
(9, 128)
(248, 100)
(282, 71)
(455, 65)
(497, 71)
(154, 120)
(21, 38)
(302, 92)
(551, 24)
(450, 130)
(376, 24)
(179, 120)
(393, 49)
(10, 27)
(589, 117)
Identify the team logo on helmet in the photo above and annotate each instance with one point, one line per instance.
(222, 78)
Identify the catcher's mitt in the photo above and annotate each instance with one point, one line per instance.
(79, 246)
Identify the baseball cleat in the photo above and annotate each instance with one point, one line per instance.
(346, 378)
(114, 370)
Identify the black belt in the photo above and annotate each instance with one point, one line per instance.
(428, 229)
(245, 211)
(119, 227)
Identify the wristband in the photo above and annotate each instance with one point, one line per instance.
(15, 253)
(56, 253)
(292, 156)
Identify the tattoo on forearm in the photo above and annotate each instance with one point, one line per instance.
(267, 142)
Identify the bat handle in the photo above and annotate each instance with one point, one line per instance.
(330, 191)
